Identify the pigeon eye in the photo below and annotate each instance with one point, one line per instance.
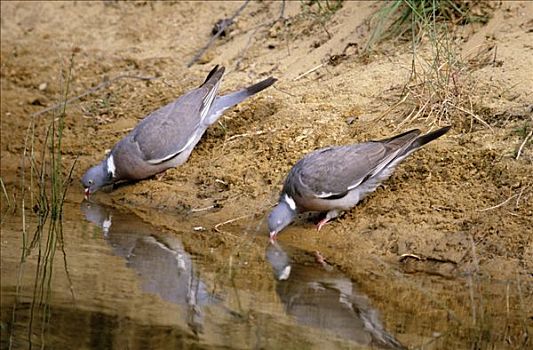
(91, 182)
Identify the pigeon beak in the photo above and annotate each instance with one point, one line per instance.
(87, 193)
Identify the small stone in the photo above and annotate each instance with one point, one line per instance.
(350, 120)
(43, 86)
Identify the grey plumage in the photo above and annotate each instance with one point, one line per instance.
(334, 179)
(166, 137)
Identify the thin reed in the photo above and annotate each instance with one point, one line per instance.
(48, 186)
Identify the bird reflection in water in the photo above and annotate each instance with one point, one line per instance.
(319, 297)
(158, 259)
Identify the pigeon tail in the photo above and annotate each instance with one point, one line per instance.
(254, 89)
(422, 140)
(230, 100)
(227, 101)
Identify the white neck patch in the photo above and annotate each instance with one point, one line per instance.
(111, 165)
(285, 273)
(290, 201)
(106, 225)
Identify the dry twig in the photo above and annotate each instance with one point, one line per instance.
(92, 90)
(308, 72)
(407, 255)
(260, 132)
(196, 210)
(230, 221)
(214, 37)
(523, 144)
(499, 205)
(478, 118)
(241, 54)
(281, 17)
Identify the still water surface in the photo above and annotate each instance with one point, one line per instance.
(117, 282)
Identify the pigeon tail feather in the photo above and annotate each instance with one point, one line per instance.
(422, 140)
(254, 89)
(227, 101)
(214, 72)
(230, 100)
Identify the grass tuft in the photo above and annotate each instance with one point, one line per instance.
(410, 19)
(440, 87)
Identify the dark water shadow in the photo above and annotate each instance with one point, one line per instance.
(319, 296)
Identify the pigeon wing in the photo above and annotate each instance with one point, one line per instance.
(169, 130)
(332, 172)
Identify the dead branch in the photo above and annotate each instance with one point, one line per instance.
(241, 54)
(281, 17)
(214, 37)
(92, 90)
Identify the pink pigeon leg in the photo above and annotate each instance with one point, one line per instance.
(322, 223)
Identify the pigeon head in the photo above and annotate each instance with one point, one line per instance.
(282, 215)
(94, 212)
(96, 178)
(279, 260)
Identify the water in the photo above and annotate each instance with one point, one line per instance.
(120, 283)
